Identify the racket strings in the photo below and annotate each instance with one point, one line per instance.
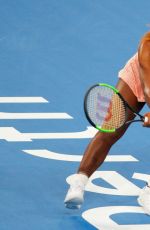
(116, 114)
(105, 108)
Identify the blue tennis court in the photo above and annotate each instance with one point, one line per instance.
(50, 53)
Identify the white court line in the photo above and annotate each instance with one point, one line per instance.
(88, 133)
(44, 153)
(12, 134)
(23, 100)
(34, 116)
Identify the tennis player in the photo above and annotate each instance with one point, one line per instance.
(134, 86)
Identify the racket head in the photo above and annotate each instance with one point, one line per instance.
(104, 108)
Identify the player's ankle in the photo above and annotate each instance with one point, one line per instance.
(82, 177)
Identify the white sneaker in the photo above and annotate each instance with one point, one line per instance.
(144, 199)
(75, 195)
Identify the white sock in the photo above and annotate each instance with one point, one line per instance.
(80, 179)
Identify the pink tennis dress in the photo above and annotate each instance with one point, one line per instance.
(130, 75)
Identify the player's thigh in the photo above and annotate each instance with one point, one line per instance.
(130, 98)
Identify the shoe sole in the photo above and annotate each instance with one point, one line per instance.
(73, 204)
(141, 204)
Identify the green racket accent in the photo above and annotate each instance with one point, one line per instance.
(109, 86)
(105, 130)
(104, 108)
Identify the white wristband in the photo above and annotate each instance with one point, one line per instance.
(146, 119)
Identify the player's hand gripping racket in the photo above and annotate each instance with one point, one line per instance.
(106, 109)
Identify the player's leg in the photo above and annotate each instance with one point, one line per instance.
(100, 145)
(97, 151)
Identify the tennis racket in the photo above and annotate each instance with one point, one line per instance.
(106, 109)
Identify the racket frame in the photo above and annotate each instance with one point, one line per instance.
(126, 105)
